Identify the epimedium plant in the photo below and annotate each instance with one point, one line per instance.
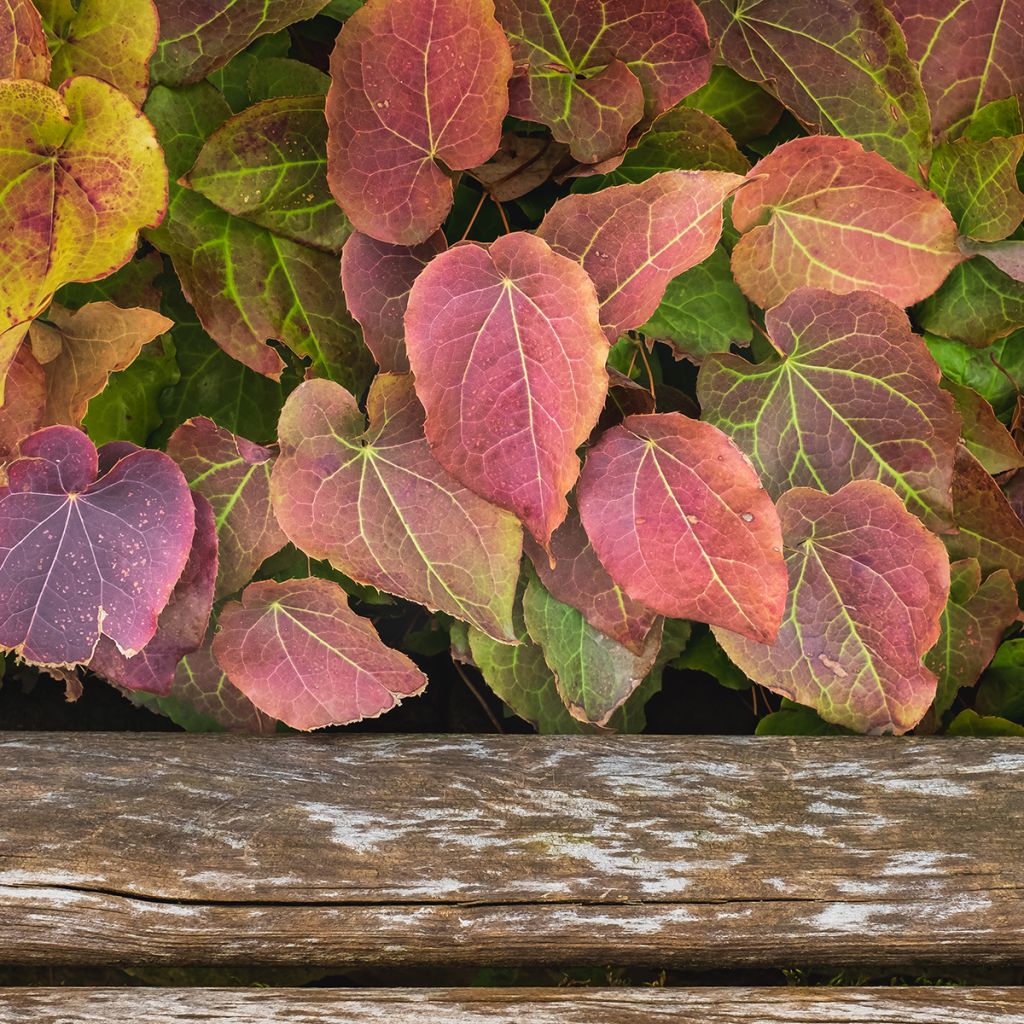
(583, 326)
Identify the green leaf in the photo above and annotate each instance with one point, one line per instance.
(796, 720)
(185, 118)
(985, 437)
(1001, 690)
(594, 674)
(704, 654)
(128, 408)
(999, 119)
(973, 622)
(233, 79)
(996, 373)
(273, 77)
(976, 304)
(970, 723)
(745, 110)
(978, 183)
(703, 311)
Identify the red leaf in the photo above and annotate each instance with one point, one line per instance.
(24, 399)
(681, 522)
(182, 624)
(868, 584)
(81, 556)
(418, 86)
(509, 362)
(377, 278)
(23, 49)
(823, 212)
(301, 655)
(633, 239)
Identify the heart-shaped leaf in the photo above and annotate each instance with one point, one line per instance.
(673, 221)
(514, 328)
(823, 212)
(233, 475)
(973, 622)
(678, 518)
(268, 164)
(867, 586)
(578, 578)
(84, 173)
(853, 395)
(394, 133)
(594, 71)
(968, 53)
(977, 304)
(594, 674)
(841, 66)
(377, 278)
(23, 49)
(79, 351)
(376, 503)
(108, 39)
(200, 36)
(746, 111)
(182, 624)
(81, 556)
(302, 656)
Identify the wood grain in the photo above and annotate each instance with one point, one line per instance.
(504, 1006)
(660, 851)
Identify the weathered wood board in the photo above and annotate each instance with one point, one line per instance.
(662, 851)
(505, 1006)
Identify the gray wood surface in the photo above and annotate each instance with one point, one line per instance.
(513, 1006)
(664, 851)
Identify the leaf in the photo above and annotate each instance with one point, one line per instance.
(702, 311)
(202, 35)
(681, 140)
(594, 674)
(1001, 690)
(970, 723)
(375, 503)
(578, 579)
(268, 164)
(745, 110)
(272, 77)
(377, 278)
(973, 622)
(232, 80)
(852, 395)
(978, 183)
(301, 655)
(985, 437)
(987, 528)
(79, 351)
(128, 408)
(680, 521)
(825, 213)
(513, 326)
(703, 653)
(109, 39)
(520, 164)
(83, 174)
(202, 699)
(1008, 256)
(990, 371)
(977, 304)
(247, 284)
(215, 385)
(233, 475)
(182, 624)
(23, 49)
(81, 556)
(133, 285)
(185, 118)
(24, 400)
(841, 66)
(796, 720)
(593, 72)
(969, 54)
(675, 218)
(867, 587)
(394, 137)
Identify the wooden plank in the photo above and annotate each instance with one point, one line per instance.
(661, 851)
(502, 1006)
